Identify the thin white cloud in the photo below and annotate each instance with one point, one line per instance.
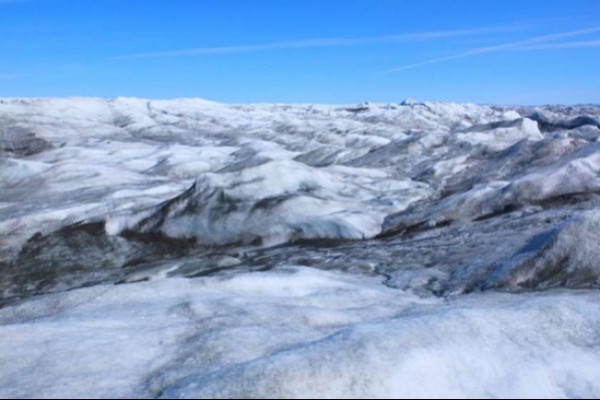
(567, 45)
(324, 42)
(538, 40)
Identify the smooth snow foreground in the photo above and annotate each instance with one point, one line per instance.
(193, 249)
(298, 333)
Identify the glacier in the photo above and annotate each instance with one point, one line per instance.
(187, 248)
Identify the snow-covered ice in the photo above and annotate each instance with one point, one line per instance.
(298, 333)
(188, 248)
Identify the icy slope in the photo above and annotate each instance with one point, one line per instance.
(376, 250)
(135, 181)
(104, 158)
(93, 159)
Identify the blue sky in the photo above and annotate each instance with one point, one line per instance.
(326, 51)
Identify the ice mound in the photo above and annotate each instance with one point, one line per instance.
(499, 136)
(409, 101)
(276, 202)
(550, 123)
(566, 256)
(575, 174)
(298, 333)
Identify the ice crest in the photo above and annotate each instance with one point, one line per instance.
(409, 101)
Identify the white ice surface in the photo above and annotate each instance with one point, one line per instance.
(502, 138)
(112, 155)
(298, 333)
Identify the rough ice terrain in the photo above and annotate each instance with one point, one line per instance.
(191, 249)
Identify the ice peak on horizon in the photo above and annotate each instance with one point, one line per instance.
(409, 101)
